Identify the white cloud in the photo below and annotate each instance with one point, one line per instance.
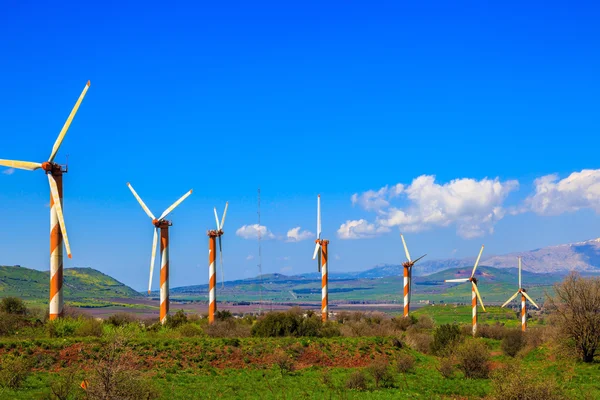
(372, 200)
(578, 191)
(473, 206)
(9, 171)
(337, 256)
(251, 232)
(360, 229)
(250, 257)
(295, 235)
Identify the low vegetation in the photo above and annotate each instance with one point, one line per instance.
(292, 354)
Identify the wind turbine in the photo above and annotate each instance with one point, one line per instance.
(321, 255)
(524, 296)
(474, 292)
(212, 255)
(58, 231)
(408, 276)
(162, 224)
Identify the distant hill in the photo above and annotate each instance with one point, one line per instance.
(79, 284)
(496, 285)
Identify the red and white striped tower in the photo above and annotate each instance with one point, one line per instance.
(524, 298)
(212, 275)
(406, 288)
(162, 224)
(324, 282)
(523, 313)
(58, 231)
(408, 265)
(164, 269)
(474, 307)
(56, 251)
(474, 291)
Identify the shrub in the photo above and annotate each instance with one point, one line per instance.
(177, 319)
(283, 361)
(357, 381)
(380, 371)
(228, 329)
(121, 319)
(289, 323)
(515, 383)
(513, 342)
(473, 359)
(62, 327)
(223, 315)
(405, 362)
(425, 322)
(13, 371)
(89, 327)
(444, 337)
(446, 367)
(65, 385)
(403, 323)
(419, 341)
(190, 330)
(330, 329)
(13, 305)
(496, 331)
(9, 323)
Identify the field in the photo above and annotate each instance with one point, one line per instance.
(205, 367)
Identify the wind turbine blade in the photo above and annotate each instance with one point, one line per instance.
(511, 299)
(478, 295)
(457, 280)
(29, 166)
(477, 262)
(320, 259)
(59, 213)
(154, 244)
(146, 209)
(224, 214)
(530, 299)
(520, 284)
(168, 210)
(318, 217)
(217, 219)
(405, 248)
(317, 247)
(414, 262)
(67, 124)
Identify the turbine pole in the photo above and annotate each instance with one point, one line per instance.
(56, 251)
(164, 271)
(523, 313)
(212, 277)
(406, 289)
(324, 281)
(474, 306)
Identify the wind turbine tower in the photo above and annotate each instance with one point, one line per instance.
(58, 230)
(322, 256)
(524, 298)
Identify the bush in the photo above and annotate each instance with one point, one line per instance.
(284, 362)
(357, 381)
(496, 331)
(13, 371)
(10, 323)
(513, 342)
(190, 330)
(13, 305)
(405, 362)
(177, 319)
(473, 359)
(121, 319)
(444, 337)
(89, 327)
(65, 385)
(223, 315)
(446, 367)
(515, 383)
(228, 329)
(288, 323)
(425, 322)
(63, 327)
(330, 329)
(419, 341)
(380, 371)
(403, 323)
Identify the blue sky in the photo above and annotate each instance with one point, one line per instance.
(301, 98)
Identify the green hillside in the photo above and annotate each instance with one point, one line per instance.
(82, 286)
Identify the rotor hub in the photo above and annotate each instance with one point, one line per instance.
(161, 223)
(53, 168)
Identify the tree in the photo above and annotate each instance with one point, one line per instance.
(576, 304)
